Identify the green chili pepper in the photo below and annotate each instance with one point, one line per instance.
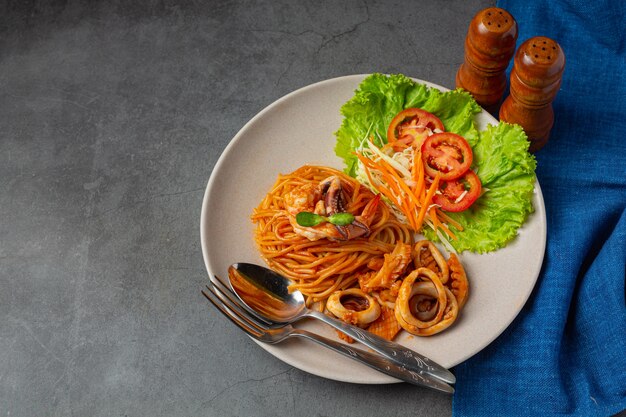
(308, 219)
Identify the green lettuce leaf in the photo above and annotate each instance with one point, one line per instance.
(501, 157)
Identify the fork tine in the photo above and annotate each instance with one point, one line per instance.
(220, 281)
(234, 305)
(232, 316)
(226, 289)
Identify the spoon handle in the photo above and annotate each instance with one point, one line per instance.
(378, 362)
(399, 354)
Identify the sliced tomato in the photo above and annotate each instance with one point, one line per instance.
(459, 194)
(412, 125)
(446, 153)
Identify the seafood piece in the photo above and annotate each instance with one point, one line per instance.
(451, 311)
(304, 198)
(387, 297)
(394, 265)
(376, 263)
(384, 299)
(353, 306)
(326, 199)
(336, 192)
(409, 289)
(458, 283)
(386, 325)
(361, 224)
(332, 188)
(426, 255)
(364, 277)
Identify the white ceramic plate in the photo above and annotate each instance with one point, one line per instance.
(299, 129)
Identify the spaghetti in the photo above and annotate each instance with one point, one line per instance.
(323, 266)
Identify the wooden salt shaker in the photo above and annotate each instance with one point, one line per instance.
(489, 46)
(535, 80)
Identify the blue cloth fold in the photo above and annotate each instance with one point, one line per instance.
(565, 354)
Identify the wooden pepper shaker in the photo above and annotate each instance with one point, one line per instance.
(489, 46)
(535, 80)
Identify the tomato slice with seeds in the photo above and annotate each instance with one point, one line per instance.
(459, 194)
(448, 154)
(412, 125)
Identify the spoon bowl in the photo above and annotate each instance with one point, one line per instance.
(267, 293)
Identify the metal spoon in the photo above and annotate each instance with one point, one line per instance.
(267, 294)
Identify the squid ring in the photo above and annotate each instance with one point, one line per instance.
(430, 261)
(353, 306)
(408, 289)
(451, 313)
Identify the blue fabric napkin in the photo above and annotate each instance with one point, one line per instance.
(565, 354)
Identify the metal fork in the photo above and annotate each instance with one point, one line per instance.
(229, 304)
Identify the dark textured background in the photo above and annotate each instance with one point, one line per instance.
(112, 115)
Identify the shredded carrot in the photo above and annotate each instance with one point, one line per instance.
(418, 173)
(415, 200)
(434, 214)
(391, 178)
(415, 167)
(412, 198)
(433, 217)
(412, 202)
(450, 220)
(369, 164)
(429, 197)
(447, 230)
(388, 178)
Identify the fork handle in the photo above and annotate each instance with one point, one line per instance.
(399, 354)
(377, 362)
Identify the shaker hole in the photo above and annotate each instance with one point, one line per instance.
(498, 25)
(536, 56)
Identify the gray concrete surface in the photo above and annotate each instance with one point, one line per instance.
(112, 117)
